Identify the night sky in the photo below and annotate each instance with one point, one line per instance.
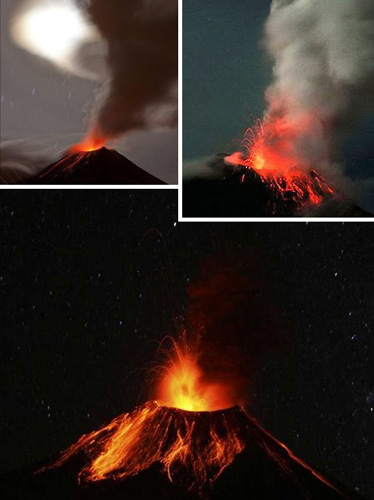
(44, 111)
(226, 71)
(223, 85)
(91, 281)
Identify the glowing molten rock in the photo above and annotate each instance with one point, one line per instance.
(86, 164)
(186, 430)
(182, 383)
(193, 447)
(90, 143)
(271, 155)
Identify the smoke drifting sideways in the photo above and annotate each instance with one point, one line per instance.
(130, 47)
(22, 159)
(324, 68)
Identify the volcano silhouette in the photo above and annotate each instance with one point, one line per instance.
(102, 166)
(241, 192)
(265, 469)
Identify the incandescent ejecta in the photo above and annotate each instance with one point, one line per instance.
(195, 433)
(94, 165)
(323, 53)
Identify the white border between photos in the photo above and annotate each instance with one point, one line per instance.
(89, 187)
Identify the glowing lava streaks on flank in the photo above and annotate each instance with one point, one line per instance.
(194, 431)
(92, 142)
(79, 153)
(269, 151)
(186, 430)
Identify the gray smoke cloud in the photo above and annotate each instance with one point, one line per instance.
(142, 45)
(130, 47)
(323, 73)
(23, 159)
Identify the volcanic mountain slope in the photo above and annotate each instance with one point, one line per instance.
(102, 166)
(242, 192)
(263, 469)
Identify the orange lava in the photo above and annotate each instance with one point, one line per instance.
(270, 152)
(183, 385)
(186, 432)
(176, 431)
(92, 142)
(180, 441)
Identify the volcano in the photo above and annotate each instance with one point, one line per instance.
(101, 166)
(242, 192)
(177, 454)
(187, 444)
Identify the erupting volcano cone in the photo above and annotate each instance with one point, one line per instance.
(163, 452)
(268, 177)
(187, 444)
(240, 191)
(100, 166)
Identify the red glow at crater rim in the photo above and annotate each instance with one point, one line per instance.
(268, 149)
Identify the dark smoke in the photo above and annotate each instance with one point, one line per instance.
(240, 315)
(142, 38)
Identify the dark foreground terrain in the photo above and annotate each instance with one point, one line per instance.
(242, 193)
(102, 166)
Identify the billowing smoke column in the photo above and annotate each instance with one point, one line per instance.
(131, 47)
(323, 73)
(143, 58)
(324, 68)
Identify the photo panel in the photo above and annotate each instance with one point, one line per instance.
(89, 93)
(278, 117)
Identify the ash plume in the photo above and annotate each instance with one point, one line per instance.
(130, 48)
(234, 307)
(142, 40)
(323, 73)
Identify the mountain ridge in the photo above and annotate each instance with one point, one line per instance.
(264, 470)
(241, 192)
(101, 166)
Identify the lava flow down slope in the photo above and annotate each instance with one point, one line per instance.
(292, 161)
(265, 179)
(239, 190)
(191, 442)
(94, 166)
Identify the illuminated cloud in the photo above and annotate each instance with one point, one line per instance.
(60, 32)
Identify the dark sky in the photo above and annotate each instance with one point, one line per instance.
(91, 281)
(225, 74)
(43, 109)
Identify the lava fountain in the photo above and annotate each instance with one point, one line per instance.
(268, 149)
(182, 383)
(193, 430)
(92, 142)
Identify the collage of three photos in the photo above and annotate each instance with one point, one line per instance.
(187, 208)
